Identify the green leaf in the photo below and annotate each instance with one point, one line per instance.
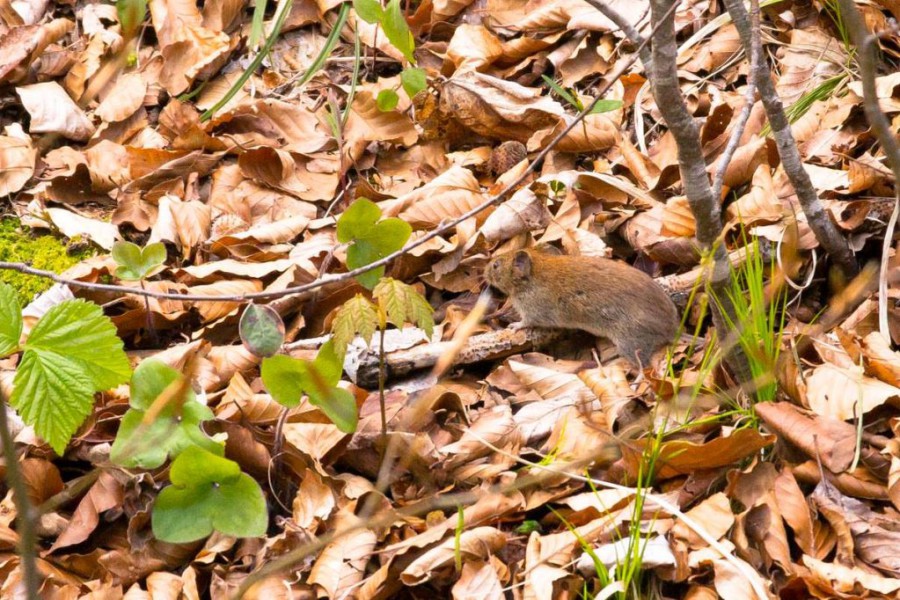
(413, 81)
(403, 304)
(361, 254)
(261, 330)
(372, 239)
(284, 378)
(358, 220)
(208, 493)
(397, 30)
(10, 320)
(338, 404)
(387, 100)
(562, 92)
(356, 317)
(131, 14)
(175, 428)
(72, 352)
(603, 106)
(287, 379)
(369, 11)
(135, 263)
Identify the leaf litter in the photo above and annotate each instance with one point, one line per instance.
(487, 484)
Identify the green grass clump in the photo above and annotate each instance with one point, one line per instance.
(19, 244)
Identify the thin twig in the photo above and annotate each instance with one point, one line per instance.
(867, 58)
(749, 99)
(25, 514)
(627, 28)
(826, 232)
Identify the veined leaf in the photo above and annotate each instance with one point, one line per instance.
(10, 320)
(403, 304)
(136, 263)
(356, 317)
(397, 30)
(72, 352)
(208, 492)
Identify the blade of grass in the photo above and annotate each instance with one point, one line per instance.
(284, 7)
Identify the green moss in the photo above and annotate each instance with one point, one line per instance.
(19, 244)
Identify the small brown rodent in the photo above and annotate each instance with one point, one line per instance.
(603, 297)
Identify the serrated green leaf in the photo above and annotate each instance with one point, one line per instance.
(603, 106)
(356, 317)
(369, 11)
(397, 31)
(357, 221)
(208, 493)
(403, 304)
(72, 352)
(261, 330)
(284, 378)
(413, 81)
(135, 263)
(175, 428)
(10, 320)
(387, 100)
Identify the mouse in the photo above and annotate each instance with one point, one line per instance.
(604, 297)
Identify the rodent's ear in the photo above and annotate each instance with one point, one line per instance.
(521, 265)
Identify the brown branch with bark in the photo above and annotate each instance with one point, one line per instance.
(823, 227)
(867, 49)
(692, 165)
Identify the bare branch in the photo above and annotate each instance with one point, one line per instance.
(867, 45)
(627, 28)
(25, 513)
(749, 99)
(821, 224)
(692, 164)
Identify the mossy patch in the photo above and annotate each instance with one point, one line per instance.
(19, 244)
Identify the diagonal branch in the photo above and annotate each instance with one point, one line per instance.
(867, 46)
(823, 227)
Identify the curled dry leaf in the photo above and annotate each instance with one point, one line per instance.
(17, 159)
(445, 197)
(498, 109)
(53, 111)
(846, 393)
(478, 543)
(522, 213)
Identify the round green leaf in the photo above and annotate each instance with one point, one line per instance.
(261, 330)
(387, 100)
(357, 220)
(284, 378)
(173, 430)
(10, 320)
(339, 405)
(135, 263)
(208, 493)
(369, 11)
(413, 81)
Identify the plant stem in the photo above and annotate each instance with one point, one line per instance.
(382, 375)
(25, 515)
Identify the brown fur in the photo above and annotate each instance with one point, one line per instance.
(603, 297)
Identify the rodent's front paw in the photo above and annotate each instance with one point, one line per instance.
(518, 325)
